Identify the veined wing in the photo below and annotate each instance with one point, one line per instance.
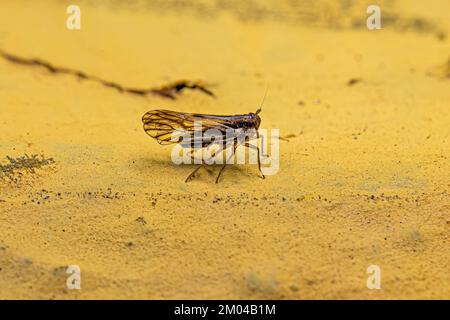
(163, 124)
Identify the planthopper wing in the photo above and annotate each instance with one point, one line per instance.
(166, 125)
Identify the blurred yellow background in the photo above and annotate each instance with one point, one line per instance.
(364, 179)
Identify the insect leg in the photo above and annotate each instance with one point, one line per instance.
(196, 169)
(224, 165)
(194, 172)
(251, 146)
(259, 157)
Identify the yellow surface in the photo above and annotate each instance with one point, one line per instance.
(364, 181)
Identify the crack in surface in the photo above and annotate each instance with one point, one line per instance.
(169, 91)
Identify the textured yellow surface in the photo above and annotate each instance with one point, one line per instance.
(364, 181)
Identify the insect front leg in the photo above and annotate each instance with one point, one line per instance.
(251, 146)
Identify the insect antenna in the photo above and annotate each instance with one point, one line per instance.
(262, 101)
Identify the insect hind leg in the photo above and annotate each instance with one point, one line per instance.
(189, 177)
(194, 172)
(225, 164)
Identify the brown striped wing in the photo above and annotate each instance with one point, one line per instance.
(162, 124)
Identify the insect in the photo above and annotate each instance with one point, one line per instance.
(162, 124)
